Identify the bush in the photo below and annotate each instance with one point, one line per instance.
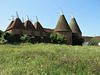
(57, 39)
(25, 38)
(93, 42)
(10, 37)
(76, 40)
(2, 39)
(1, 32)
(14, 38)
(53, 37)
(61, 39)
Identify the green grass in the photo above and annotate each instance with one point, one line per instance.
(49, 59)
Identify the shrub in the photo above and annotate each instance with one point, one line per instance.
(61, 39)
(76, 40)
(53, 37)
(2, 39)
(17, 38)
(57, 39)
(93, 42)
(25, 38)
(9, 37)
(1, 32)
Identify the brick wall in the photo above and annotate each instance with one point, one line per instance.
(68, 36)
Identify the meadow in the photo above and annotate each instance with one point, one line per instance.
(49, 59)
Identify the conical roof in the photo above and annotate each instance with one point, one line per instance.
(38, 26)
(9, 26)
(62, 24)
(28, 25)
(74, 26)
(17, 24)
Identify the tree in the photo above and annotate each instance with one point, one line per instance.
(93, 42)
(57, 39)
(1, 32)
(61, 39)
(25, 38)
(2, 39)
(9, 37)
(76, 40)
(53, 37)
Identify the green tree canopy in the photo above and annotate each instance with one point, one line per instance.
(25, 38)
(93, 42)
(57, 39)
(1, 32)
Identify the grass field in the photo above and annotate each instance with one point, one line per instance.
(49, 59)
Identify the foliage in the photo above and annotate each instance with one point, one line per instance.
(49, 59)
(61, 39)
(93, 42)
(76, 40)
(57, 39)
(1, 32)
(9, 37)
(53, 37)
(2, 39)
(25, 38)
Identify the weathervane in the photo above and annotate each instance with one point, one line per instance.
(27, 18)
(61, 12)
(36, 19)
(12, 18)
(23, 19)
(31, 20)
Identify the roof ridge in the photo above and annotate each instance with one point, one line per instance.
(9, 26)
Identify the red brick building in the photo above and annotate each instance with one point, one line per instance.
(37, 31)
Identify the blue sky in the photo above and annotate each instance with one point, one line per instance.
(86, 12)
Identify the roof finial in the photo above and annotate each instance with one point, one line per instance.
(36, 19)
(61, 12)
(17, 16)
(27, 18)
(22, 19)
(72, 16)
(31, 20)
(12, 18)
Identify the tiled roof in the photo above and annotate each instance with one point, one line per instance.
(62, 24)
(74, 26)
(28, 25)
(38, 26)
(17, 24)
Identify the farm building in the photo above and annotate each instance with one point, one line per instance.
(39, 33)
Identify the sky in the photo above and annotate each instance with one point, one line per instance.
(86, 13)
